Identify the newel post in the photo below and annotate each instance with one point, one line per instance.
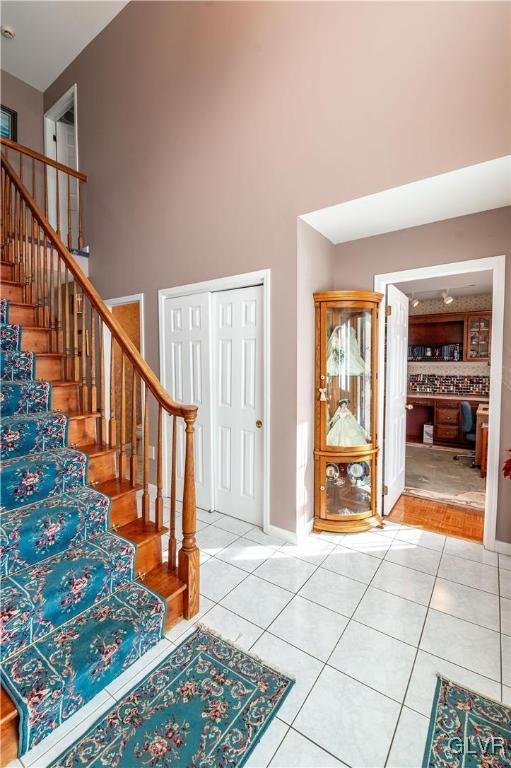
(189, 559)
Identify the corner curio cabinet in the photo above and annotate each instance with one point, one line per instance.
(345, 435)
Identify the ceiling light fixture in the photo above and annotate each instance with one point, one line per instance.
(448, 299)
(7, 32)
(414, 301)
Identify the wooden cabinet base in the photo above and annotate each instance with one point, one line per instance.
(352, 526)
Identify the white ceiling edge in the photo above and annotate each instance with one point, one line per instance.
(468, 190)
(50, 34)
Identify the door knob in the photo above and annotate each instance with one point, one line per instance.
(409, 406)
(259, 424)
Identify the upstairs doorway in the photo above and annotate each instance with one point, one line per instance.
(61, 144)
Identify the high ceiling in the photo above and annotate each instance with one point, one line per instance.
(476, 188)
(50, 34)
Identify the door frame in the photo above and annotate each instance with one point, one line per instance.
(136, 298)
(497, 265)
(245, 280)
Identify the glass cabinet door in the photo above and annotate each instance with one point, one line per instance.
(345, 488)
(478, 337)
(346, 377)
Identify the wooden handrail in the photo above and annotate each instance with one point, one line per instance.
(117, 331)
(43, 159)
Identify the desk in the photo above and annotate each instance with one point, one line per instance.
(444, 412)
(482, 414)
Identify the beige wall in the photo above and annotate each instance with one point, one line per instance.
(467, 237)
(315, 260)
(28, 103)
(207, 128)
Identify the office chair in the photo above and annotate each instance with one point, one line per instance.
(468, 429)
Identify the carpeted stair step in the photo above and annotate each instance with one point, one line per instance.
(4, 311)
(51, 679)
(17, 366)
(48, 527)
(10, 337)
(28, 479)
(19, 397)
(12, 290)
(41, 598)
(33, 433)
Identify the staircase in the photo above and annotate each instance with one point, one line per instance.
(85, 590)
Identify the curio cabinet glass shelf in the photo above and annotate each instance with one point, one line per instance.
(345, 435)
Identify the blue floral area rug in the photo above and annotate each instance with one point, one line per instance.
(467, 730)
(4, 311)
(24, 397)
(27, 479)
(17, 366)
(42, 598)
(32, 433)
(32, 533)
(51, 679)
(207, 704)
(10, 337)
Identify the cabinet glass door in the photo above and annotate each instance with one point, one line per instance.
(346, 488)
(348, 412)
(478, 337)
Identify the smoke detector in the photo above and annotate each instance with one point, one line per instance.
(7, 32)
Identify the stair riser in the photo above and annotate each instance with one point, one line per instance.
(48, 368)
(124, 509)
(12, 292)
(20, 315)
(65, 399)
(9, 740)
(35, 340)
(148, 555)
(174, 610)
(82, 431)
(101, 468)
(7, 271)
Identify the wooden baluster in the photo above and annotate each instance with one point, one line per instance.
(133, 457)
(122, 429)
(59, 334)
(102, 394)
(76, 361)
(85, 389)
(93, 388)
(145, 494)
(21, 166)
(15, 236)
(52, 322)
(172, 539)
(57, 190)
(69, 238)
(23, 266)
(80, 217)
(188, 568)
(46, 281)
(30, 265)
(40, 294)
(67, 327)
(158, 507)
(113, 422)
(11, 251)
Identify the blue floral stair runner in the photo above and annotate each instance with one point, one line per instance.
(72, 616)
(207, 704)
(467, 730)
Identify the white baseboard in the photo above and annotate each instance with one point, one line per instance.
(504, 547)
(281, 533)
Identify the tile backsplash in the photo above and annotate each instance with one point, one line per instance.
(449, 385)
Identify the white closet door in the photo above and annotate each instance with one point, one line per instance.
(396, 390)
(238, 402)
(187, 359)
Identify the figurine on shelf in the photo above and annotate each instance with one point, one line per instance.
(343, 354)
(344, 430)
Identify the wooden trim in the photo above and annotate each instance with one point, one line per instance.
(371, 296)
(115, 328)
(42, 158)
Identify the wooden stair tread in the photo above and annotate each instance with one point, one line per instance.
(164, 582)
(137, 532)
(22, 303)
(12, 282)
(96, 449)
(116, 488)
(79, 416)
(52, 354)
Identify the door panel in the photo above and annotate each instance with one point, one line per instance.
(238, 398)
(396, 390)
(187, 329)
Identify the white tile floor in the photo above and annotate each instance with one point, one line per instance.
(362, 622)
